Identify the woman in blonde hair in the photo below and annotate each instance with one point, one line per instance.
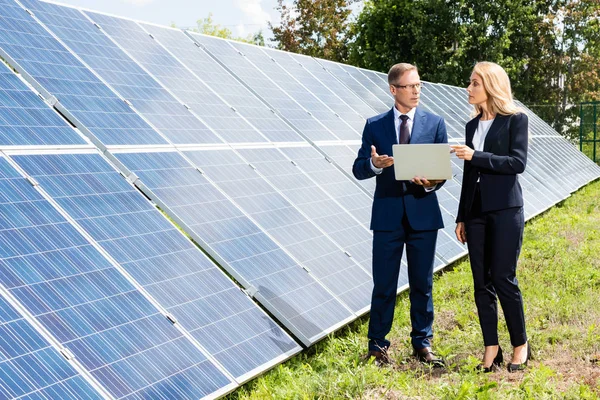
(490, 214)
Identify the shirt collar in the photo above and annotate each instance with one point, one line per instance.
(411, 113)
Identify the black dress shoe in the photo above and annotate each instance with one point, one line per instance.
(497, 363)
(520, 367)
(381, 357)
(427, 356)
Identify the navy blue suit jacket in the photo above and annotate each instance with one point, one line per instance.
(392, 197)
(504, 156)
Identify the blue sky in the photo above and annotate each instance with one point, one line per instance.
(242, 17)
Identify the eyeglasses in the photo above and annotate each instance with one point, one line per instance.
(414, 86)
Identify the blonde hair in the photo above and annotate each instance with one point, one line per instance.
(397, 70)
(497, 87)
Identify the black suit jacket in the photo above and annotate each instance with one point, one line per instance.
(504, 156)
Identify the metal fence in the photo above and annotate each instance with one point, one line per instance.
(589, 129)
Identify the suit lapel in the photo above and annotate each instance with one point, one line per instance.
(471, 128)
(497, 125)
(418, 124)
(390, 127)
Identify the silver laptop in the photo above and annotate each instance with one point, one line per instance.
(430, 161)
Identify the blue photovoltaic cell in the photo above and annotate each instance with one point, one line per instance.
(364, 93)
(436, 102)
(351, 228)
(65, 77)
(317, 105)
(382, 92)
(26, 120)
(173, 270)
(327, 79)
(344, 156)
(275, 96)
(32, 369)
(223, 83)
(150, 99)
(294, 231)
(88, 305)
(188, 87)
(283, 287)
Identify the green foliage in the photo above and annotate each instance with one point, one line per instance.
(317, 28)
(550, 48)
(559, 273)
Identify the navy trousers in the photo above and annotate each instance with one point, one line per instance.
(494, 241)
(387, 255)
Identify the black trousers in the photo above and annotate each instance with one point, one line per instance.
(494, 240)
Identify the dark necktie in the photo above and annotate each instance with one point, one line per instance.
(404, 132)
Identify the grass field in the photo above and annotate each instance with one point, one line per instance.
(559, 274)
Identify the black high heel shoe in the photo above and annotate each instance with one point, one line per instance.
(520, 367)
(497, 363)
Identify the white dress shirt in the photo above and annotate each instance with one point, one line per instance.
(480, 134)
(397, 123)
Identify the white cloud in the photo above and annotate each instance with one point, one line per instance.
(241, 30)
(253, 13)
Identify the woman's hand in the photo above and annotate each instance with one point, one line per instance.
(461, 232)
(462, 151)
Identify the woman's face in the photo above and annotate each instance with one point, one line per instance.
(476, 90)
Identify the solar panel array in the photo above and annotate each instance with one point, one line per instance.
(247, 149)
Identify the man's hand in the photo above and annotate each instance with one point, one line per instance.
(383, 161)
(417, 180)
(461, 232)
(463, 152)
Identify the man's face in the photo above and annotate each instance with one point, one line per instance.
(407, 90)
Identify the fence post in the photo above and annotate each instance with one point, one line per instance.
(581, 127)
(595, 130)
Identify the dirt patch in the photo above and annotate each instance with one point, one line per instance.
(571, 369)
(446, 319)
(383, 394)
(574, 237)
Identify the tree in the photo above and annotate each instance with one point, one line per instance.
(207, 26)
(549, 48)
(577, 38)
(318, 28)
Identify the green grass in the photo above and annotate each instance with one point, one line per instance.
(559, 274)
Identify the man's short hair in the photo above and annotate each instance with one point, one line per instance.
(398, 70)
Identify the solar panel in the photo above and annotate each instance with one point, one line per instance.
(344, 156)
(251, 256)
(259, 176)
(290, 108)
(220, 80)
(358, 88)
(26, 120)
(317, 103)
(274, 211)
(337, 206)
(380, 91)
(116, 68)
(88, 305)
(439, 104)
(327, 79)
(159, 257)
(179, 80)
(51, 68)
(31, 368)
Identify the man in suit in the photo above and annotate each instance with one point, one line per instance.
(404, 212)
